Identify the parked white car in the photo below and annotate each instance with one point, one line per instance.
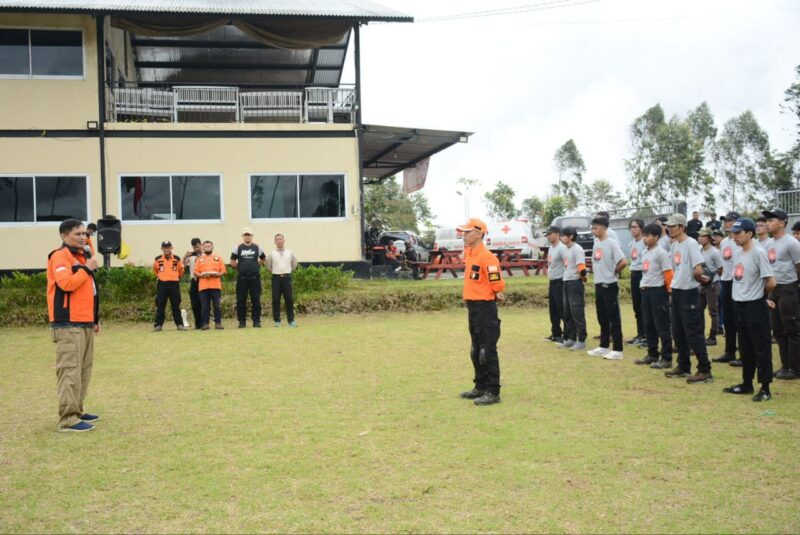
(516, 234)
(448, 239)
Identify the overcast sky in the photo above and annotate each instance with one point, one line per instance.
(528, 82)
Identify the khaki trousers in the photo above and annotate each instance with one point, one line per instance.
(74, 358)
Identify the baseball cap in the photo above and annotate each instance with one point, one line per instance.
(676, 219)
(777, 213)
(552, 230)
(705, 231)
(730, 216)
(742, 224)
(166, 243)
(247, 230)
(473, 224)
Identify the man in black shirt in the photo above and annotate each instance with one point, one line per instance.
(247, 259)
(694, 225)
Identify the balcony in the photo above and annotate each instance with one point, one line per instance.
(229, 104)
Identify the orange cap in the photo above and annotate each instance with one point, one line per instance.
(473, 224)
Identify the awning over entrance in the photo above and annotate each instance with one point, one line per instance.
(387, 150)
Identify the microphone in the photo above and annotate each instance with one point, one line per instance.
(87, 252)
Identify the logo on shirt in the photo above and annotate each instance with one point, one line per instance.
(598, 255)
(677, 258)
(646, 266)
(635, 254)
(566, 262)
(549, 260)
(727, 252)
(738, 271)
(772, 255)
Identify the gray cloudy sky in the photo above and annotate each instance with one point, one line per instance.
(528, 82)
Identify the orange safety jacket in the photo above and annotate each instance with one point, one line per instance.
(206, 263)
(90, 244)
(168, 269)
(71, 291)
(482, 275)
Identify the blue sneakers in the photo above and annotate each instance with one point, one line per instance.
(80, 427)
(292, 324)
(277, 324)
(89, 417)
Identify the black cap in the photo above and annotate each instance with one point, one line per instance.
(730, 216)
(743, 224)
(166, 244)
(796, 226)
(552, 230)
(776, 213)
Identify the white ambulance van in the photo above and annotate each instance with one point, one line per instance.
(516, 234)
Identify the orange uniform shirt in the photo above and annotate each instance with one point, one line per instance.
(482, 278)
(209, 263)
(168, 269)
(90, 244)
(71, 291)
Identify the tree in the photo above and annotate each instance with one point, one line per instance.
(743, 162)
(500, 202)
(554, 207)
(600, 195)
(570, 168)
(789, 162)
(532, 208)
(386, 207)
(641, 166)
(704, 132)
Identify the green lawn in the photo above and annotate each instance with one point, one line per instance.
(351, 423)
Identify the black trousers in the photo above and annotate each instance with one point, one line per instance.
(484, 330)
(555, 297)
(729, 314)
(282, 286)
(785, 320)
(207, 298)
(168, 290)
(687, 329)
(636, 297)
(248, 285)
(755, 340)
(655, 315)
(606, 301)
(197, 307)
(574, 311)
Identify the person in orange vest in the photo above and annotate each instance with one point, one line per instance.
(209, 269)
(91, 229)
(169, 270)
(483, 287)
(73, 306)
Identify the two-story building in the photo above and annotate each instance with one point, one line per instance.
(191, 119)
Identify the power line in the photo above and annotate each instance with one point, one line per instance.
(514, 10)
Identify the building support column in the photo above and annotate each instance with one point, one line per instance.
(101, 105)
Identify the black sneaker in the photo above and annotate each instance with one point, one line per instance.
(633, 341)
(677, 371)
(487, 399)
(763, 395)
(711, 341)
(257, 325)
(721, 331)
(242, 325)
(646, 361)
(737, 363)
(157, 329)
(724, 358)
(661, 364)
(472, 394)
(552, 338)
(738, 389)
(787, 374)
(642, 344)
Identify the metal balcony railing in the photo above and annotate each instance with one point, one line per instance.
(788, 201)
(200, 104)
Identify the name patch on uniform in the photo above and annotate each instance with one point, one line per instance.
(492, 269)
(494, 277)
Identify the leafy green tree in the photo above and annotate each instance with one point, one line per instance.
(744, 162)
(570, 168)
(386, 207)
(554, 207)
(641, 167)
(533, 208)
(788, 163)
(500, 202)
(704, 132)
(600, 195)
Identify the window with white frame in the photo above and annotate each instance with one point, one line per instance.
(41, 52)
(297, 196)
(36, 199)
(170, 197)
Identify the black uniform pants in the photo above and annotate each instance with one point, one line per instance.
(484, 329)
(207, 298)
(574, 311)
(785, 320)
(606, 302)
(687, 330)
(197, 307)
(636, 297)
(555, 297)
(709, 297)
(248, 285)
(655, 315)
(755, 340)
(729, 314)
(168, 290)
(282, 286)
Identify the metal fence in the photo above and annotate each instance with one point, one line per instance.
(788, 201)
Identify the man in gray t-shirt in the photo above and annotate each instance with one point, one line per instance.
(709, 292)
(608, 261)
(752, 278)
(655, 286)
(635, 253)
(727, 249)
(574, 304)
(556, 255)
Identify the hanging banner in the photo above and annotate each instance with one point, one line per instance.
(414, 177)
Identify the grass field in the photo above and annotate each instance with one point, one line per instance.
(351, 423)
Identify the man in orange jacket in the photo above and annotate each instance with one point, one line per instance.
(209, 269)
(483, 287)
(72, 304)
(169, 270)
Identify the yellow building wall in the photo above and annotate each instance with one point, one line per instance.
(51, 103)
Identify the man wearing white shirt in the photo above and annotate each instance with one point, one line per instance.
(281, 262)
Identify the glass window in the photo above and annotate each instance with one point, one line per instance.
(59, 198)
(147, 198)
(322, 196)
(14, 57)
(196, 197)
(273, 196)
(57, 53)
(16, 199)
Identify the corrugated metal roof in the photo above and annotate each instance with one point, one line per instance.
(359, 9)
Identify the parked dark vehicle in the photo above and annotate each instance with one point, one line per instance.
(406, 236)
(582, 224)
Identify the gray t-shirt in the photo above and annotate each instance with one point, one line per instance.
(636, 251)
(612, 235)
(763, 243)
(665, 241)
(784, 254)
(606, 254)
(727, 249)
(555, 261)
(573, 256)
(750, 268)
(686, 255)
(655, 262)
(713, 260)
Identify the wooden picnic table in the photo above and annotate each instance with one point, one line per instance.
(453, 262)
